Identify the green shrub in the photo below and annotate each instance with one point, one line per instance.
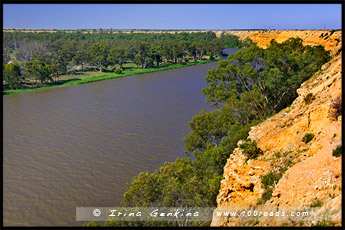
(308, 137)
(268, 180)
(316, 203)
(267, 195)
(251, 149)
(337, 151)
(308, 98)
(117, 70)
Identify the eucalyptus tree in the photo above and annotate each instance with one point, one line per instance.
(98, 54)
(12, 74)
(117, 56)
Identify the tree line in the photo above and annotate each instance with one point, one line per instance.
(42, 57)
(251, 85)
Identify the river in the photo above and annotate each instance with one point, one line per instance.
(79, 146)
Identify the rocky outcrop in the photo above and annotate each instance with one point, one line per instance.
(312, 175)
(331, 40)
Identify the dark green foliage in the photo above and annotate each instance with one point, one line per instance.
(337, 152)
(231, 41)
(81, 58)
(117, 70)
(308, 137)
(98, 54)
(235, 133)
(178, 184)
(247, 42)
(267, 195)
(117, 55)
(251, 149)
(207, 127)
(12, 74)
(266, 79)
(308, 98)
(38, 71)
(268, 180)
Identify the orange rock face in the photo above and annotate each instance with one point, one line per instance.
(330, 40)
(313, 174)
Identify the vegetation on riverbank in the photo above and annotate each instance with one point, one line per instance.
(41, 60)
(105, 76)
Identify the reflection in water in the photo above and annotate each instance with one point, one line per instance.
(79, 146)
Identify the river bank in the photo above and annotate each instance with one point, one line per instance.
(105, 76)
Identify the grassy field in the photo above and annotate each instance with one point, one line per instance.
(87, 77)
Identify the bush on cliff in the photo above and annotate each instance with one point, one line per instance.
(251, 149)
(337, 151)
(308, 137)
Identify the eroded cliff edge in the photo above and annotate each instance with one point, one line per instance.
(311, 175)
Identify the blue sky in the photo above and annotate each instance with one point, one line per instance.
(172, 16)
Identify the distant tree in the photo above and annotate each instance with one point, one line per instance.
(177, 50)
(117, 56)
(193, 51)
(142, 49)
(199, 47)
(38, 71)
(247, 42)
(28, 50)
(230, 41)
(157, 53)
(98, 54)
(57, 66)
(217, 46)
(12, 75)
(81, 58)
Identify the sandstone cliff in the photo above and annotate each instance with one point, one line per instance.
(331, 40)
(311, 175)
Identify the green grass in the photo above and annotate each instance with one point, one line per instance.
(106, 76)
